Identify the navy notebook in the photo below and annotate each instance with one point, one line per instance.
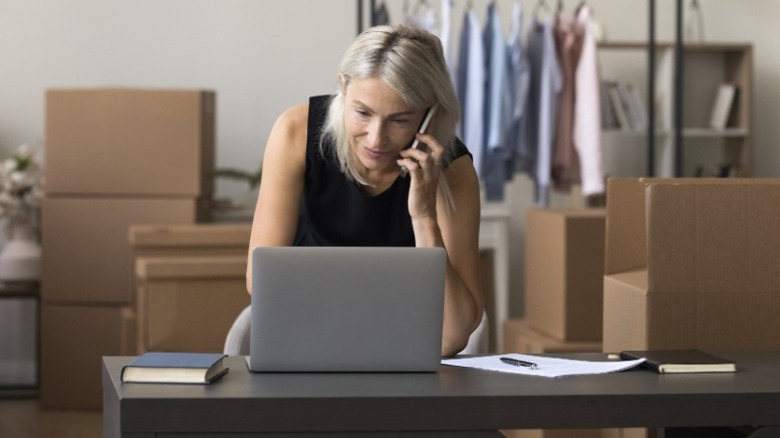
(174, 368)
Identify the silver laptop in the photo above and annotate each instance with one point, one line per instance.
(346, 309)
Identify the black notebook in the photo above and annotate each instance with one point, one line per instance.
(681, 361)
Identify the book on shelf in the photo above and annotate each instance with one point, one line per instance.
(174, 368)
(724, 102)
(638, 107)
(618, 107)
(633, 105)
(680, 361)
(626, 103)
(608, 116)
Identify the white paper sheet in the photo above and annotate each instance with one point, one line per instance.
(546, 366)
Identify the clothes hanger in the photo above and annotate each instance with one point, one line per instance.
(420, 6)
(694, 28)
(541, 4)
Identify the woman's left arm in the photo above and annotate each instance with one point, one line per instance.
(455, 228)
(459, 226)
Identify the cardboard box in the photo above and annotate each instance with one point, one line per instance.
(190, 239)
(188, 303)
(692, 264)
(629, 433)
(86, 256)
(172, 263)
(553, 433)
(74, 338)
(522, 337)
(124, 141)
(564, 272)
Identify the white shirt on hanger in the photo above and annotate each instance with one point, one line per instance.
(446, 35)
(587, 119)
(424, 17)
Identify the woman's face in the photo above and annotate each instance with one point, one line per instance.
(379, 123)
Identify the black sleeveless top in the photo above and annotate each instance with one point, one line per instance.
(334, 212)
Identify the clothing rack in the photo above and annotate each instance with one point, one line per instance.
(651, 89)
(678, 91)
(678, 81)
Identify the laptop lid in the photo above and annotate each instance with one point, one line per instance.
(346, 309)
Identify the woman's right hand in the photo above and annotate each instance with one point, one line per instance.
(424, 168)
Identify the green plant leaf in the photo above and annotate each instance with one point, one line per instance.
(251, 178)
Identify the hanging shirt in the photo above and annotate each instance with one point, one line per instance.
(519, 77)
(380, 16)
(566, 165)
(470, 87)
(446, 36)
(497, 116)
(423, 16)
(545, 84)
(587, 121)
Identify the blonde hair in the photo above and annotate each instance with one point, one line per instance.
(410, 61)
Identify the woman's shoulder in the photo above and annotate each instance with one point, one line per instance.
(294, 119)
(304, 116)
(287, 142)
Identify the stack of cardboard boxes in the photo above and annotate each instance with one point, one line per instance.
(564, 268)
(191, 284)
(564, 271)
(692, 263)
(115, 157)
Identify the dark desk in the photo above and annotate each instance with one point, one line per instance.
(451, 400)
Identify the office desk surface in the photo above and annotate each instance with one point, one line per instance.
(452, 399)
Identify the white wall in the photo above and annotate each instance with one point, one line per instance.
(262, 56)
(259, 56)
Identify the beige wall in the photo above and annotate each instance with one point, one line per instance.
(262, 56)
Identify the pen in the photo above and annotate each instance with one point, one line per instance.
(519, 363)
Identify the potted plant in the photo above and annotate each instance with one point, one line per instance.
(21, 191)
(251, 179)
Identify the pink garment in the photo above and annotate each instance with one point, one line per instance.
(565, 164)
(587, 120)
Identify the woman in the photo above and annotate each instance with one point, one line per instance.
(332, 168)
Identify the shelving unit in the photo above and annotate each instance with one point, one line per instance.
(19, 339)
(705, 67)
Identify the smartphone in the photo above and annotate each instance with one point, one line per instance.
(423, 127)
